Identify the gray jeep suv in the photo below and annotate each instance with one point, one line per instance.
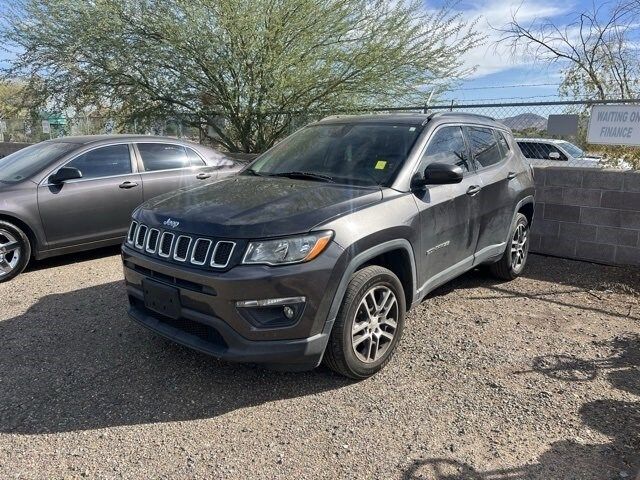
(320, 246)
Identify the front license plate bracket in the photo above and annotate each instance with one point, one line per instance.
(161, 298)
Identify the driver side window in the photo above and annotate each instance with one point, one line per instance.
(446, 146)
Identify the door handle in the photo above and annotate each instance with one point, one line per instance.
(128, 184)
(473, 189)
(203, 176)
(511, 175)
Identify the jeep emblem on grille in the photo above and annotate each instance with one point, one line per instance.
(171, 223)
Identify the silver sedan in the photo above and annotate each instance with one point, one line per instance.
(78, 193)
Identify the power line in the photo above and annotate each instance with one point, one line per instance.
(502, 98)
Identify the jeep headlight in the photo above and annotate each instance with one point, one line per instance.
(283, 251)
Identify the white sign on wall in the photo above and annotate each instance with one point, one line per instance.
(46, 126)
(614, 125)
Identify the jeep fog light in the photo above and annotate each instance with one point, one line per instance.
(272, 312)
(270, 302)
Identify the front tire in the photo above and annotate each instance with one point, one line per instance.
(369, 324)
(15, 251)
(512, 263)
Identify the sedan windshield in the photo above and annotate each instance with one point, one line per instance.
(30, 160)
(360, 154)
(572, 150)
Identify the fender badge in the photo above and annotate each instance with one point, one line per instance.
(438, 247)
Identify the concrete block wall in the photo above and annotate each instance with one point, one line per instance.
(587, 214)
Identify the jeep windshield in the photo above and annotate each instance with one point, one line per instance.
(30, 160)
(357, 153)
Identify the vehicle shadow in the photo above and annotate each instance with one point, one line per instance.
(568, 274)
(563, 278)
(74, 361)
(61, 260)
(618, 419)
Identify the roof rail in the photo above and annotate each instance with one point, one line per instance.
(445, 114)
(331, 117)
(372, 113)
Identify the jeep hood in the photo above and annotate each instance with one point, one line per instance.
(255, 207)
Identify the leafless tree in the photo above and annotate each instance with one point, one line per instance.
(598, 48)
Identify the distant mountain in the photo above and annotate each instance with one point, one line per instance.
(525, 121)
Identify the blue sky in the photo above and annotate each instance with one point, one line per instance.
(499, 75)
(497, 69)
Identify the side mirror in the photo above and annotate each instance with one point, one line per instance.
(438, 174)
(222, 163)
(554, 156)
(64, 174)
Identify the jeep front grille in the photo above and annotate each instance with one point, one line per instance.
(200, 251)
(222, 254)
(131, 236)
(166, 243)
(152, 240)
(141, 236)
(181, 248)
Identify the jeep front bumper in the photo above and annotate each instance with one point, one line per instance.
(210, 321)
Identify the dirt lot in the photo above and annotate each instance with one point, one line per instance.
(538, 378)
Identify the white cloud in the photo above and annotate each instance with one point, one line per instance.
(491, 58)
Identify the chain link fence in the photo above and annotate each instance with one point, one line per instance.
(28, 130)
(535, 124)
(549, 133)
(554, 133)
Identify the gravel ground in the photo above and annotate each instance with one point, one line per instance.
(537, 378)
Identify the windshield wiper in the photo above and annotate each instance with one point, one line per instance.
(308, 175)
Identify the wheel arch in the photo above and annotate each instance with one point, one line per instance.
(527, 210)
(396, 255)
(526, 206)
(24, 226)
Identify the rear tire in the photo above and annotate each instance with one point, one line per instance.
(369, 324)
(512, 263)
(15, 251)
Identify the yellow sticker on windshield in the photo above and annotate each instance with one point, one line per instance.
(381, 165)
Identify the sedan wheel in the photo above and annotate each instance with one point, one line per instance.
(10, 253)
(15, 251)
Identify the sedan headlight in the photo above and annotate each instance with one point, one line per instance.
(287, 250)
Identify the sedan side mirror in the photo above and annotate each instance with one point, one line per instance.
(64, 174)
(554, 156)
(221, 163)
(438, 174)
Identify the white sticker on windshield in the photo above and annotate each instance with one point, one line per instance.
(412, 129)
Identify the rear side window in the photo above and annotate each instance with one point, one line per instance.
(103, 162)
(502, 143)
(163, 156)
(446, 146)
(539, 150)
(194, 158)
(484, 147)
(526, 149)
